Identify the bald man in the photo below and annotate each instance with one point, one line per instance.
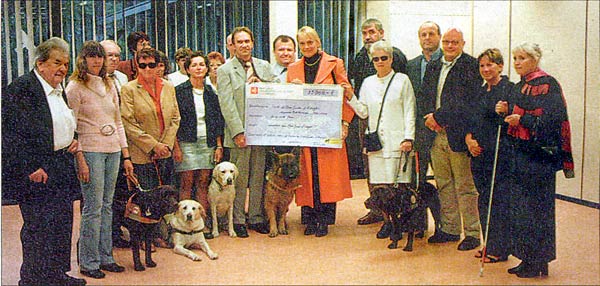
(449, 87)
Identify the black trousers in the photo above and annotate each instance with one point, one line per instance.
(46, 237)
(323, 213)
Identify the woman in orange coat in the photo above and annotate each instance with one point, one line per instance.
(324, 174)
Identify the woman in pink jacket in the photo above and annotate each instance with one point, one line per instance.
(94, 100)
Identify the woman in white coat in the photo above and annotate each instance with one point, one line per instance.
(396, 121)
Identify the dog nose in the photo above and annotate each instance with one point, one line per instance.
(229, 181)
(189, 217)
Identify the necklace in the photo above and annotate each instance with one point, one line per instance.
(316, 62)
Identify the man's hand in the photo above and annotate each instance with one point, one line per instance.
(473, 145)
(39, 176)
(240, 140)
(253, 79)
(218, 154)
(431, 123)
(348, 92)
(501, 107)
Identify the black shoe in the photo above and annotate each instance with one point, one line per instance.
(469, 243)
(118, 242)
(262, 227)
(385, 231)
(240, 230)
(531, 270)
(96, 273)
(441, 237)
(370, 218)
(310, 229)
(113, 267)
(66, 280)
(321, 230)
(208, 235)
(517, 268)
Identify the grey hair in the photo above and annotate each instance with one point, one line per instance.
(42, 52)
(384, 46)
(372, 21)
(110, 42)
(531, 49)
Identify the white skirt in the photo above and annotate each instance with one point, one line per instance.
(384, 170)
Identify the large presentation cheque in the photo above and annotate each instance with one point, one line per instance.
(294, 115)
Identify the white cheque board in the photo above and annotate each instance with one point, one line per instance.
(294, 115)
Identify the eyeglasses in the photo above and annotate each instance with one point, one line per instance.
(150, 65)
(454, 43)
(382, 58)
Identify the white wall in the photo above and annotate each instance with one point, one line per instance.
(567, 32)
(283, 20)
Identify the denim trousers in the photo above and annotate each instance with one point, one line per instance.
(95, 236)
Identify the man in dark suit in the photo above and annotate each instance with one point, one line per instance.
(38, 142)
(360, 68)
(429, 39)
(449, 88)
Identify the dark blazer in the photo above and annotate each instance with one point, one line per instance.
(188, 124)
(423, 136)
(28, 143)
(458, 96)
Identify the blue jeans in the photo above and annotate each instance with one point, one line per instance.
(95, 236)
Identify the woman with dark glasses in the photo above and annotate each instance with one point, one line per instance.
(388, 101)
(151, 118)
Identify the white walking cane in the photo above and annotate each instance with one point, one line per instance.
(489, 211)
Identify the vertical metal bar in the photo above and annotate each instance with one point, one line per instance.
(29, 40)
(94, 20)
(50, 18)
(7, 42)
(176, 25)
(115, 35)
(19, 47)
(39, 21)
(82, 21)
(185, 25)
(72, 33)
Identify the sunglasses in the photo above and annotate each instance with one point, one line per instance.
(144, 65)
(383, 58)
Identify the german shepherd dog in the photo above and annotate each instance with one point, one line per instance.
(281, 184)
(143, 212)
(402, 206)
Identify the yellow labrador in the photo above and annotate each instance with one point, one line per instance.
(187, 224)
(221, 193)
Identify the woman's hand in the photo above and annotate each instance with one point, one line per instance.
(501, 108)
(344, 131)
(406, 146)
(473, 145)
(128, 168)
(218, 155)
(296, 81)
(513, 119)
(348, 91)
(161, 150)
(83, 170)
(177, 155)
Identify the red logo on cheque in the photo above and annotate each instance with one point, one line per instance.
(254, 90)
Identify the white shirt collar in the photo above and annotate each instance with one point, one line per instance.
(447, 63)
(48, 89)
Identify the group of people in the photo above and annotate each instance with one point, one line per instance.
(133, 117)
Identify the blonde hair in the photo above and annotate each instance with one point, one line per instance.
(310, 33)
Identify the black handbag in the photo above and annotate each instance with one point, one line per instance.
(371, 141)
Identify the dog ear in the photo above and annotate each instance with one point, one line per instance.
(297, 151)
(273, 158)
(201, 212)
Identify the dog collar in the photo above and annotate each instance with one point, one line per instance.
(279, 188)
(187, 232)
(134, 212)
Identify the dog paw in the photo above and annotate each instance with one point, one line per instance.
(213, 256)
(232, 234)
(150, 263)
(393, 245)
(409, 249)
(139, 267)
(215, 234)
(194, 257)
(283, 232)
(273, 234)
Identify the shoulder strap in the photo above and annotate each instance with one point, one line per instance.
(382, 102)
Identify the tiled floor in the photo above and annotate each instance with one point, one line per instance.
(350, 254)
